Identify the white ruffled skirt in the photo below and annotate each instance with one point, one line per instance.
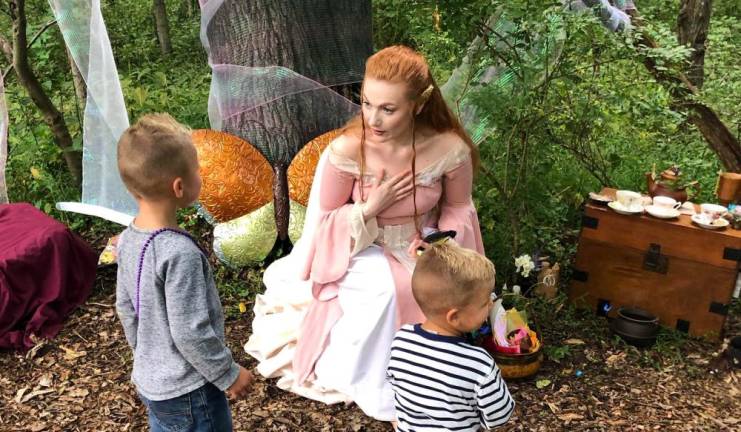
(353, 365)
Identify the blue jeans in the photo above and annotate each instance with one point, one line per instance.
(205, 409)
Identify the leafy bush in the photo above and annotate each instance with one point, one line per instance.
(588, 117)
(578, 112)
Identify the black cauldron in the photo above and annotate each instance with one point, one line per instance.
(635, 326)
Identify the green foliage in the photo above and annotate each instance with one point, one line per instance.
(557, 352)
(412, 23)
(579, 112)
(178, 84)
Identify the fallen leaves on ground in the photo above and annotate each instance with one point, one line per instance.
(80, 382)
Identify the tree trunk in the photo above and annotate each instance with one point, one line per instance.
(52, 117)
(162, 26)
(719, 138)
(692, 30)
(325, 41)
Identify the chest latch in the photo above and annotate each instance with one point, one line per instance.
(654, 261)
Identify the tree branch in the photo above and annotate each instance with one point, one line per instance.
(692, 30)
(40, 32)
(9, 52)
(26, 78)
(719, 138)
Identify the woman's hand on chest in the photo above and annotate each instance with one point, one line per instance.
(385, 192)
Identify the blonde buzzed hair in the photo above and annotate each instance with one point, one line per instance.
(447, 276)
(152, 153)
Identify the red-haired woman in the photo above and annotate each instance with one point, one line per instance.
(402, 168)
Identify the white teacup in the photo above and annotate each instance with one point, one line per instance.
(666, 202)
(629, 199)
(712, 212)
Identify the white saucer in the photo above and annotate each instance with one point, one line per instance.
(662, 212)
(619, 208)
(599, 198)
(687, 208)
(718, 224)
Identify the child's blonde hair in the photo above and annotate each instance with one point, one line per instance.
(152, 153)
(447, 276)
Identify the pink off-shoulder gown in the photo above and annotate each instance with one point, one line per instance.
(330, 311)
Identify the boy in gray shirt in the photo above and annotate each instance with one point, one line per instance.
(166, 297)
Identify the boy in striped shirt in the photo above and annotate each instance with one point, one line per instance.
(440, 382)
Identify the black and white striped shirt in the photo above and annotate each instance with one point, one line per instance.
(441, 383)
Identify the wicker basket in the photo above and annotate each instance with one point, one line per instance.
(515, 366)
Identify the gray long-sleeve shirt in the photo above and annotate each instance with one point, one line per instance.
(178, 337)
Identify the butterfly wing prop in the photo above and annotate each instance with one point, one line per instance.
(238, 194)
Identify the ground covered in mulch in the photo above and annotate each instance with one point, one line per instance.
(590, 381)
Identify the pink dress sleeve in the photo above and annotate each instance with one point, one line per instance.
(456, 208)
(330, 252)
(326, 264)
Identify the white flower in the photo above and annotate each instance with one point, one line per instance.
(516, 289)
(524, 265)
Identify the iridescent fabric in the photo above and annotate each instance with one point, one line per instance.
(277, 99)
(274, 107)
(84, 32)
(478, 71)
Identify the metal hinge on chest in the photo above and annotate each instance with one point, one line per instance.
(589, 222)
(732, 254)
(654, 261)
(718, 308)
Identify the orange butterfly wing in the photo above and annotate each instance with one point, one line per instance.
(237, 179)
(302, 168)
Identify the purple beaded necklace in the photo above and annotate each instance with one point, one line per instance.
(144, 251)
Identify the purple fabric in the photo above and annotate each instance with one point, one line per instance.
(46, 271)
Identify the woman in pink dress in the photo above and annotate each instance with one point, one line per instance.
(401, 169)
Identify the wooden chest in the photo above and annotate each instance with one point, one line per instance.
(679, 272)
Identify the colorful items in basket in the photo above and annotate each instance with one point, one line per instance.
(510, 341)
(510, 332)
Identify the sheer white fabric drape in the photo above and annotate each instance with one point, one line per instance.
(103, 193)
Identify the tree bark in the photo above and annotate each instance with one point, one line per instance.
(162, 26)
(719, 138)
(325, 41)
(7, 49)
(692, 30)
(52, 116)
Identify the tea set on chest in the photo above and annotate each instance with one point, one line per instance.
(660, 256)
(668, 199)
